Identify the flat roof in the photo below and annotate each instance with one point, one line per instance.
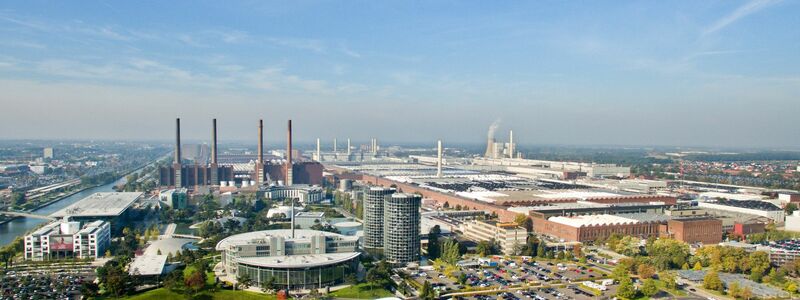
(299, 235)
(605, 219)
(298, 261)
(100, 205)
(148, 265)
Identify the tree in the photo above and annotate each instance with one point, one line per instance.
(698, 266)
(541, 249)
(520, 218)
(626, 289)
(434, 250)
(791, 288)
(790, 208)
(89, 289)
(268, 285)
(577, 251)
(462, 279)
(669, 279)
(17, 198)
(735, 290)
(484, 248)
(712, 282)
(746, 293)
(686, 266)
(244, 281)
(649, 287)
(174, 281)
(196, 281)
(427, 292)
(645, 271)
(450, 252)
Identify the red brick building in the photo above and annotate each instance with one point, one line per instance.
(696, 230)
(589, 228)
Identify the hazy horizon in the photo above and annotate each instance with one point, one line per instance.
(719, 74)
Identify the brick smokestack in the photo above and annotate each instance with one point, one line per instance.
(214, 176)
(177, 141)
(289, 171)
(214, 141)
(260, 159)
(176, 166)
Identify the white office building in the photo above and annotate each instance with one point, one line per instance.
(67, 239)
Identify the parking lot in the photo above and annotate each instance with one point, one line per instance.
(40, 286)
(557, 280)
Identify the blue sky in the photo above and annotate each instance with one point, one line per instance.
(714, 73)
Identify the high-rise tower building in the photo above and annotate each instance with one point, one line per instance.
(373, 216)
(401, 242)
(289, 165)
(214, 175)
(260, 160)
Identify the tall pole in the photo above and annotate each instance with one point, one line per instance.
(439, 160)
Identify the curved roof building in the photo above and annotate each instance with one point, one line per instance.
(293, 258)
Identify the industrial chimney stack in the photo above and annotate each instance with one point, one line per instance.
(319, 157)
(289, 180)
(260, 160)
(348, 148)
(177, 163)
(214, 168)
(511, 144)
(439, 159)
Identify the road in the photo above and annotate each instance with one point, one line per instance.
(27, 215)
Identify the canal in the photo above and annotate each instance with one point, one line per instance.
(19, 226)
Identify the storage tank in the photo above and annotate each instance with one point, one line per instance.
(223, 183)
(231, 183)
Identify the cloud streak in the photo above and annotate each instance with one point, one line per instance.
(749, 8)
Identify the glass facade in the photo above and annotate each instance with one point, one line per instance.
(315, 277)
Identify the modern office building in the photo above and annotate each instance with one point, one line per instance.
(67, 239)
(306, 194)
(508, 236)
(401, 236)
(175, 198)
(294, 259)
(111, 206)
(373, 216)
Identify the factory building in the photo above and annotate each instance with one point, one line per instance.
(509, 236)
(753, 208)
(374, 214)
(263, 171)
(589, 228)
(401, 235)
(67, 239)
(703, 230)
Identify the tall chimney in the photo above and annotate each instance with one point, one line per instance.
(260, 160)
(511, 144)
(177, 163)
(177, 141)
(439, 160)
(319, 158)
(289, 171)
(348, 146)
(334, 144)
(214, 141)
(214, 176)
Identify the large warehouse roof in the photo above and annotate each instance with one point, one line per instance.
(601, 220)
(100, 205)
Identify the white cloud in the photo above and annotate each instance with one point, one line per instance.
(749, 8)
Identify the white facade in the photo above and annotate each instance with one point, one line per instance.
(793, 221)
(303, 193)
(508, 236)
(64, 239)
(777, 216)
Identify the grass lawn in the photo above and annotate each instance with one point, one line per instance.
(362, 291)
(164, 294)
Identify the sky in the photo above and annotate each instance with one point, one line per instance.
(677, 73)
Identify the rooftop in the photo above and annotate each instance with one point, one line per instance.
(148, 265)
(749, 204)
(601, 220)
(298, 261)
(100, 205)
(251, 237)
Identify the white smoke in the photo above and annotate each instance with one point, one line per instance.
(493, 128)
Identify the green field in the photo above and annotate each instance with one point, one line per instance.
(164, 294)
(362, 291)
